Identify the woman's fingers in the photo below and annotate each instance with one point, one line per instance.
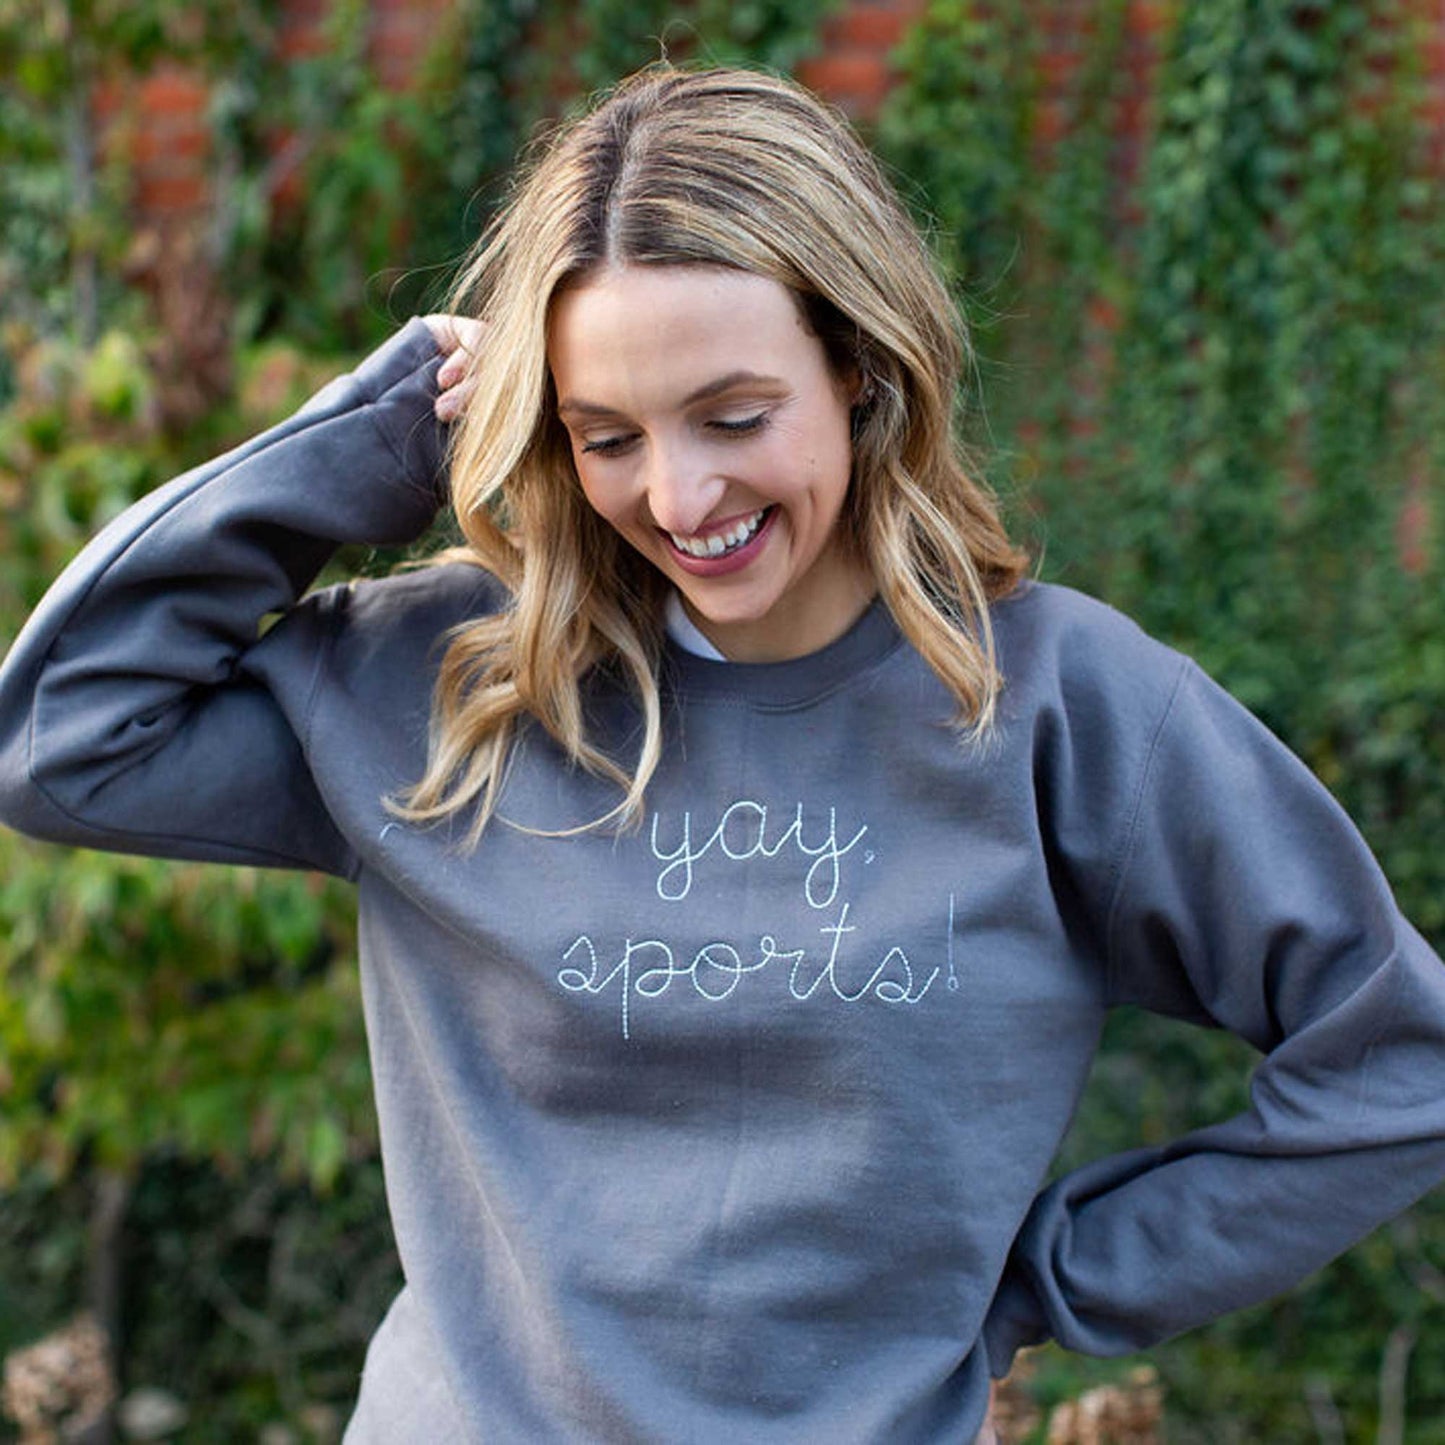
(454, 386)
(450, 332)
(455, 334)
(459, 338)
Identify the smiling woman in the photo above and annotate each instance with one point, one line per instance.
(655, 236)
(747, 854)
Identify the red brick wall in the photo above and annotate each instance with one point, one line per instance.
(852, 67)
(161, 124)
(163, 119)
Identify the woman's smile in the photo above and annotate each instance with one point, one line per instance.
(730, 543)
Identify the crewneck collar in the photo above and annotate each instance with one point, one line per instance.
(787, 684)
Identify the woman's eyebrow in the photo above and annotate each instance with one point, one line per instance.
(575, 406)
(726, 383)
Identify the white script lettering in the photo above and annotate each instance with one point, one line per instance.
(716, 970)
(742, 833)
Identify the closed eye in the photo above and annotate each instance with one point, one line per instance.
(743, 425)
(614, 445)
(608, 446)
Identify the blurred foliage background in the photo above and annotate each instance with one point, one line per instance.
(1209, 381)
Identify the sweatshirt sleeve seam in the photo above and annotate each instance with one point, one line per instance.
(372, 405)
(313, 686)
(1131, 831)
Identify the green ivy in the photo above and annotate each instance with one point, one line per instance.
(397, 185)
(66, 202)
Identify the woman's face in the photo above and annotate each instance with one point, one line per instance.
(709, 429)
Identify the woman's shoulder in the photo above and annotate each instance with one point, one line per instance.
(407, 615)
(1060, 649)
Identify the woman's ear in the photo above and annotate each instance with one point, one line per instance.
(860, 389)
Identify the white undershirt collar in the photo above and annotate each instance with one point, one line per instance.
(685, 632)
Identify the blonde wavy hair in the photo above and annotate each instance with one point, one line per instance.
(718, 167)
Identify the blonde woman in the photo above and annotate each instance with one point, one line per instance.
(747, 853)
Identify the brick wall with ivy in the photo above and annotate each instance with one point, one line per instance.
(164, 116)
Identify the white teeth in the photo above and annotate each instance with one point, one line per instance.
(720, 542)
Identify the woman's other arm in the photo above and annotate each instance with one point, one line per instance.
(1243, 896)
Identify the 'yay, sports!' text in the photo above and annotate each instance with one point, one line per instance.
(649, 968)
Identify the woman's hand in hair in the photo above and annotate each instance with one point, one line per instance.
(459, 339)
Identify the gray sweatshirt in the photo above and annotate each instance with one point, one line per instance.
(737, 1126)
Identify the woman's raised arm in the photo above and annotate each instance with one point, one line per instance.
(141, 708)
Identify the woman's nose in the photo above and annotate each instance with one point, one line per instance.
(682, 489)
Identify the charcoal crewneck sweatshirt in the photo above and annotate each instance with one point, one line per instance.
(737, 1126)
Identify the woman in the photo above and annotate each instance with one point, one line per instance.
(747, 854)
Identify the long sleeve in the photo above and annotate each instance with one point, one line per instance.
(1245, 898)
(141, 708)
